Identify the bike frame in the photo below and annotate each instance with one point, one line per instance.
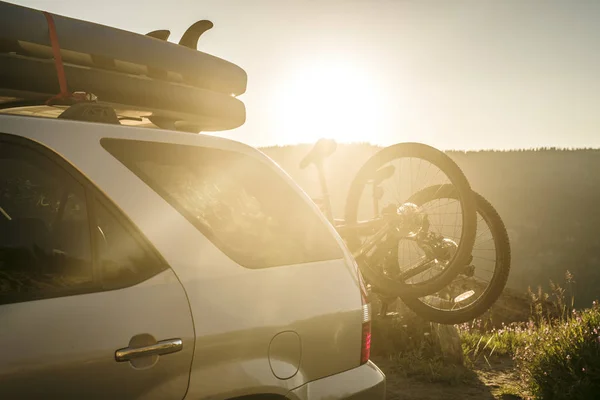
(378, 227)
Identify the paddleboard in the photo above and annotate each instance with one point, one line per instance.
(24, 31)
(168, 103)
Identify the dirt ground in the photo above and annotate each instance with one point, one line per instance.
(485, 382)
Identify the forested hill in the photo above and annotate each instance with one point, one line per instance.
(549, 200)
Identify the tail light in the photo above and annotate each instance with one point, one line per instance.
(365, 346)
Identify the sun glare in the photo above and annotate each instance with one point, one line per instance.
(333, 100)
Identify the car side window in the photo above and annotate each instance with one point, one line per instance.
(45, 241)
(123, 258)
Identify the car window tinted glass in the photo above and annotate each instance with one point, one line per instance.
(123, 259)
(45, 246)
(240, 203)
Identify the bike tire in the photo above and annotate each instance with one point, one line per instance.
(501, 268)
(379, 281)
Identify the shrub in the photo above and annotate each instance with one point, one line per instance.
(560, 358)
(557, 352)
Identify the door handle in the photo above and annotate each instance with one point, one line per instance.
(160, 348)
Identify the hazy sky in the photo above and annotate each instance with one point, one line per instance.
(454, 74)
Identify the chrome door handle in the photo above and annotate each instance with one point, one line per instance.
(160, 348)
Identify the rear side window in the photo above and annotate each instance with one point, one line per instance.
(45, 245)
(242, 205)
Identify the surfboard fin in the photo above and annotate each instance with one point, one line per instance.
(193, 33)
(162, 34)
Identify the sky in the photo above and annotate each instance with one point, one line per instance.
(458, 74)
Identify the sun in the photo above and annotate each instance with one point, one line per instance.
(335, 100)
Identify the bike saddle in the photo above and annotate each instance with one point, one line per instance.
(320, 151)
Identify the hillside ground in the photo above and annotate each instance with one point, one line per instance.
(482, 381)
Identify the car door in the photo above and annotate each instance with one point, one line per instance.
(88, 309)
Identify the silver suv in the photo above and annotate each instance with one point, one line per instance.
(144, 263)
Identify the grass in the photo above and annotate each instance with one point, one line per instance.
(481, 343)
(554, 355)
(561, 359)
(480, 338)
(430, 369)
(556, 352)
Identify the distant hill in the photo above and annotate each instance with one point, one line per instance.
(549, 200)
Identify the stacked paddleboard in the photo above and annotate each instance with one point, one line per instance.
(170, 84)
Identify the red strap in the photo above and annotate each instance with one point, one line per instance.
(58, 63)
(60, 68)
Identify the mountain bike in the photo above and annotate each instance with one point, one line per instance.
(479, 283)
(403, 242)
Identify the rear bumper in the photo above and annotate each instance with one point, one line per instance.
(366, 382)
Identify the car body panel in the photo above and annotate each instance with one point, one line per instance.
(236, 311)
(366, 382)
(61, 347)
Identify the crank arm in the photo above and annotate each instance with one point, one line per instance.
(371, 242)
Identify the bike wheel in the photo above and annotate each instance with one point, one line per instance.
(389, 277)
(480, 284)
